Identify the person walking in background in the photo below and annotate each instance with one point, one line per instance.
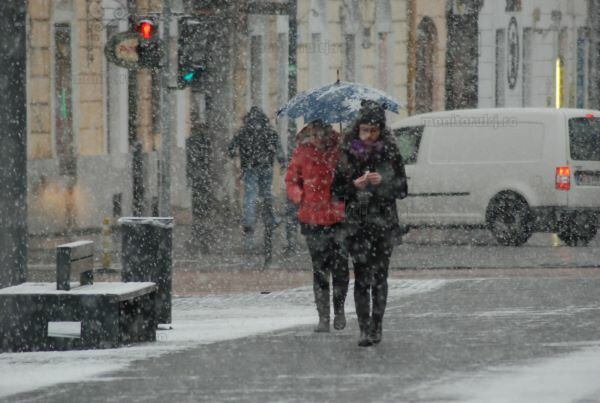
(257, 145)
(308, 185)
(198, 151)
(369, 177)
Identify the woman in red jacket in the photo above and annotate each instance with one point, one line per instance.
(308, 184)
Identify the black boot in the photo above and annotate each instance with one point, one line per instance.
(375, 330)
(365, 337)
(339, 298)
(339, 319)
(322, 301)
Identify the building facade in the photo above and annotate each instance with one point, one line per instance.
(534, 53)
(91, 124)
(94, 138)
(77, 117)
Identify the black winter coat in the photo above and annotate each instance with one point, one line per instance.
(257, 142)
(374, 205)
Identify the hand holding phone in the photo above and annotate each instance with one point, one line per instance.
(362, 181)
(374, 178)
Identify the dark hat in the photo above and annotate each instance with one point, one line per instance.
(371, 112)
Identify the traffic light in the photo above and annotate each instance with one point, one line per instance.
(146, 29)
(191, 53)
(149, 48)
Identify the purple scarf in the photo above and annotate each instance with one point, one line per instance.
(366, 151)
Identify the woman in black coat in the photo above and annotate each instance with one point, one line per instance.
(369, 177)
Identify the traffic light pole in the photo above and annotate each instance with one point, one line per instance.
(13, 153)
(164, 118)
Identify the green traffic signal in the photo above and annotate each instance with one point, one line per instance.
(189, 76)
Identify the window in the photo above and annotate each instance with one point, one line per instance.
(256, 71)
(409, 140)
(426, 43)
(383, 25)
(527, 72)
(350, 56)
(112, 97)
(63, 100)
(500, 67)
(584, 139)
(384, 60)
(583, 57)
(513, 5)
(316, 61)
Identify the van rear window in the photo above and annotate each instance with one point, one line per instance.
(584, 139)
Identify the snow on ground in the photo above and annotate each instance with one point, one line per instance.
(197, 320)
(572, 377)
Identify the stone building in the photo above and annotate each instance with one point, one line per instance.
(78, 157)
(90, 123)
(534, 53)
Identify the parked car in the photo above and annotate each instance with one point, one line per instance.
(516, 171)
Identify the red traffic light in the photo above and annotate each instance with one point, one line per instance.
(146, 29)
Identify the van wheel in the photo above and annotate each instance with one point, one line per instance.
(577, 229)
(509, 218)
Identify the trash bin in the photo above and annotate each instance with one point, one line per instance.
(147, 244)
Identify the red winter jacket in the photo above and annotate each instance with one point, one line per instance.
(308, 183)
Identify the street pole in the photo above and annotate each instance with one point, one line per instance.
(164, 118)
(135, 145)
(13, 153)
(291, 220)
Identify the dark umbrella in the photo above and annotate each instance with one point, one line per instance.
(337, 102)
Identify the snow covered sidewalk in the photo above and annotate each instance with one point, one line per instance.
(196, 320)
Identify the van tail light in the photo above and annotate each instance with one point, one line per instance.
(563, 178)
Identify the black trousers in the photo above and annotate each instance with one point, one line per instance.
(329, 254)
(370, 247)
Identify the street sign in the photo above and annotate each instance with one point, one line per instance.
(122, 50)
(125, 49)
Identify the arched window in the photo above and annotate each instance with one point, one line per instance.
(426, 45)
(513, 5)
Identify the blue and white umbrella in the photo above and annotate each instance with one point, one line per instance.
(337, 102)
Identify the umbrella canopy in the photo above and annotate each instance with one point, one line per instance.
(337, 102)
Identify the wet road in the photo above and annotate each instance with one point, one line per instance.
(468, 327)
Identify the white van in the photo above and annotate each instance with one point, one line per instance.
(516, 171)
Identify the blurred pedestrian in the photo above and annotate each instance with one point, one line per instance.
(308, 185)
(369, 177)
(257, 145)
(198, 151)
